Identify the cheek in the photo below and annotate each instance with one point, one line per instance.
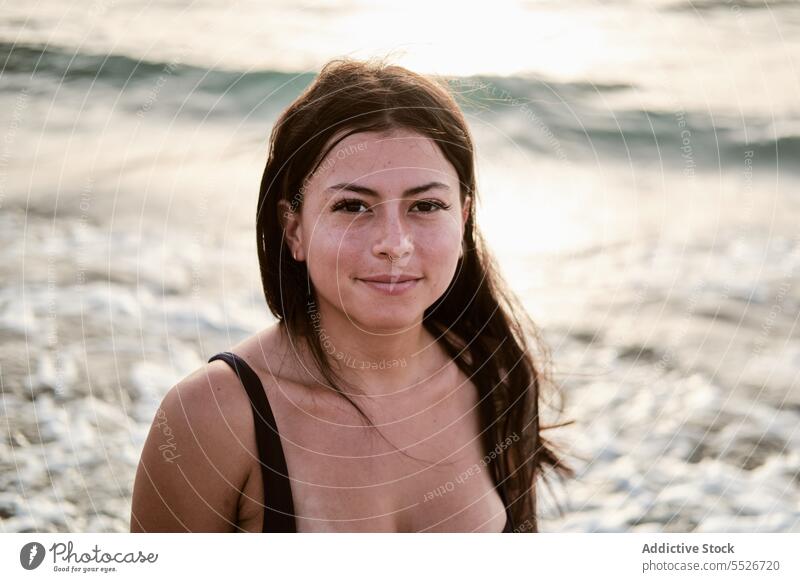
(333, 255)
(443, 238)
(438, 246)
(437, 253)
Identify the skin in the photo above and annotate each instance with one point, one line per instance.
(204, 474)
(388, 234)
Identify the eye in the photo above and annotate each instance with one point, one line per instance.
(352, 205)
(349, 205)
(430, 206)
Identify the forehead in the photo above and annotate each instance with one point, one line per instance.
(396, 156)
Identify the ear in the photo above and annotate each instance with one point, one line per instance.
(292, 229)
(465, 211)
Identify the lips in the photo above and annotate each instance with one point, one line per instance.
(390, 278)
(390, 284)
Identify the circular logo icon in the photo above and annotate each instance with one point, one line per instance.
(31, 555)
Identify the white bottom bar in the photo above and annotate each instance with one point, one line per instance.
(401, 557)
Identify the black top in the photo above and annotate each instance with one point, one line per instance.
(279, 514)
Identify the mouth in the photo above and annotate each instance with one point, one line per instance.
(391, 285)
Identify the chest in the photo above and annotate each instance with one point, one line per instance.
(420, 468)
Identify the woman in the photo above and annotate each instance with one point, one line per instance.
(397, 392)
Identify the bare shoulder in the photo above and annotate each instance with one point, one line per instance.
(275, 357)
(271, 353)
(213, 395)
(197, 456)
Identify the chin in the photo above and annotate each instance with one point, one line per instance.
(382, 316)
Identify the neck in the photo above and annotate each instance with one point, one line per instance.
(377, 364)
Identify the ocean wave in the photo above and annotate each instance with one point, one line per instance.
(118, 69)
(566, 119)
(178, 84)
(728, 6)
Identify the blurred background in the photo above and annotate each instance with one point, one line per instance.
(638, 162)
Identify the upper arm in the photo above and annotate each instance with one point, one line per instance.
(196, 457)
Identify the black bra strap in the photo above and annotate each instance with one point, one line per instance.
(279, 515)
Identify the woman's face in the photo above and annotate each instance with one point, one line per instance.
(380, 228)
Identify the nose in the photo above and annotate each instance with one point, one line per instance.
(393, 239)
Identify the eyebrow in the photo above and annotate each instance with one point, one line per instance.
(370, 192)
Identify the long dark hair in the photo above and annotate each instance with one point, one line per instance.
(478, 321)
